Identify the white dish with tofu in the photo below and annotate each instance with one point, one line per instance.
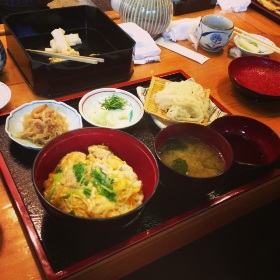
(111, 108)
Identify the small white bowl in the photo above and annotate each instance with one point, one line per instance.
(14, 121)
(263, 51)
(91, 110)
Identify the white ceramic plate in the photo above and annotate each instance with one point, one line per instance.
(262, 50)
(14, 121)
(5, 95)
(91, 110)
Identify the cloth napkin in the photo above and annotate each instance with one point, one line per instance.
(182, 29)
(146, 50)
(236, 5)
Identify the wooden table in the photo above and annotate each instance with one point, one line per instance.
(17, 258)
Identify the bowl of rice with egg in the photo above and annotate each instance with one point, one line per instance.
(89, 177)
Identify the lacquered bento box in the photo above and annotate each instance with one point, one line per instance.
(100, 36)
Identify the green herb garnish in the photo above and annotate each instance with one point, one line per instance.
(80, 172)
(114, 102)
(100, 180)
(87, 192)
(180, 165)
(103, 184)
(59, 170)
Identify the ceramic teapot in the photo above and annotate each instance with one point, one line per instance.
(151, 15)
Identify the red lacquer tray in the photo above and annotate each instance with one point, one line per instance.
(66, 253)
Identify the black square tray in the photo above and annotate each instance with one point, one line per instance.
(99, 35)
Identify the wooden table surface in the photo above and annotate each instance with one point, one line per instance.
(17, 257)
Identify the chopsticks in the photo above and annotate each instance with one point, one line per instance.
(85, 59)
(253, 38)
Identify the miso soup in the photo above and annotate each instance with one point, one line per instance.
(191, 157)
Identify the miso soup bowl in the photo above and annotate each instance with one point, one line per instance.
(188, 185)
(255, 145)
(123, 145)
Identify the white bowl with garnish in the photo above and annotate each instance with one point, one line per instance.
(248, 47)
(14, 122)
(111, 108)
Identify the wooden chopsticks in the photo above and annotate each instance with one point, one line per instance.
(85, 59)
(253, 38)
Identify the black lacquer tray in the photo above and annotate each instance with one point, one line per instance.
(99, 34)
(62, 252)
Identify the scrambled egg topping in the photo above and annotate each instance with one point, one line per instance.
(97, 185)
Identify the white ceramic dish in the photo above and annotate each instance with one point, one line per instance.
(14, 121)
(5, 95)
(91, 110)
(263, 51)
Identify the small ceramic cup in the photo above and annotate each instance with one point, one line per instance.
(3, 56)
(214, 32)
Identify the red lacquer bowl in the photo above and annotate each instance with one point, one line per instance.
(183, 184)
(254, 144)
(125, 146)
(256, 77)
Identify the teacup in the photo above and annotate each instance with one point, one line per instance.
(214, 32)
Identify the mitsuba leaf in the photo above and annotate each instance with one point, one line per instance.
(80, 172)
(103, 183)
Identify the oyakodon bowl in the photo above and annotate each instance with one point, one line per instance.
(123, 145)
(189, 185)
(215, 32)
(255, 145)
